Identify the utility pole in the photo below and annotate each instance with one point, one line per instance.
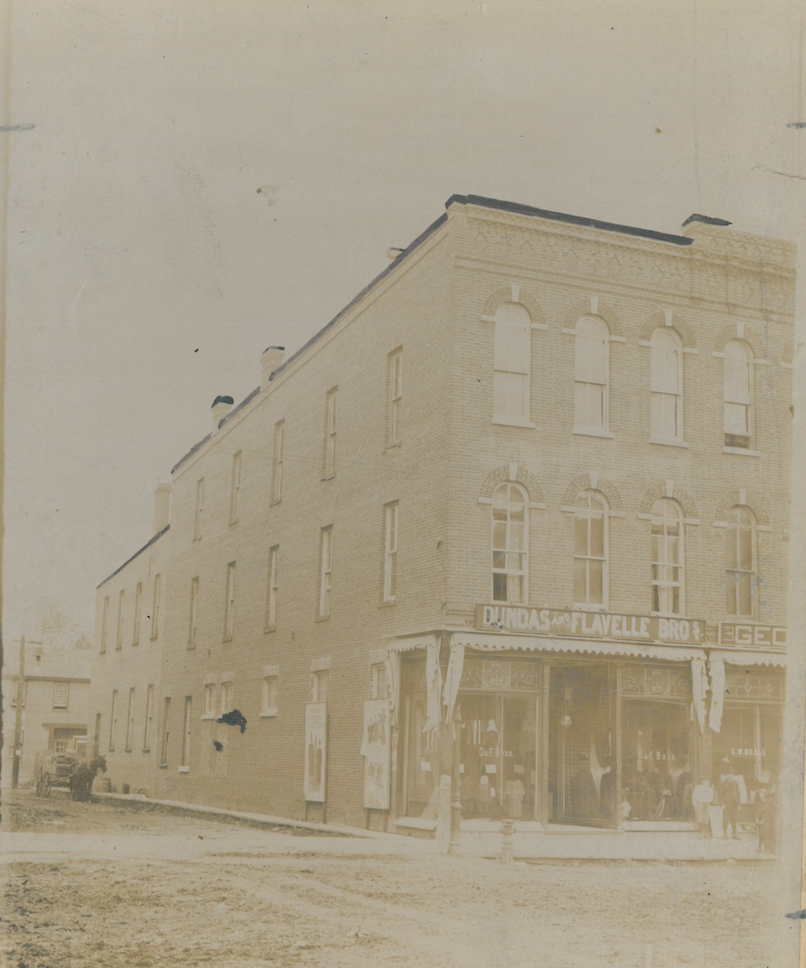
(15, 766)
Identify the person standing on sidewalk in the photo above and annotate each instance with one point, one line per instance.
(730, 798)
(702, 796)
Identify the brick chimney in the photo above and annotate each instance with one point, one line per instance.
(270, 360)
(221, 407)
(162, 506)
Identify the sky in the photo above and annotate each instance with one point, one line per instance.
(206, 178)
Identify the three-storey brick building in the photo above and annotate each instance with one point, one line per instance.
(536, 471)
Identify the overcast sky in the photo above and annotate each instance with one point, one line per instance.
(146, 272)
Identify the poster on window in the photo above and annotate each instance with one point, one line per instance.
(375, 750)
(315, 751)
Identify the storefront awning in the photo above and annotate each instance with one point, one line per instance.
(487, 642)
(737, 657)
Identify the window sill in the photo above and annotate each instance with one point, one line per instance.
(184, 769)
(741, 451)
(234, 521)
(147, 750)
(128, 750)
(163, 766)
(387, 603)
(269, 628)
(135, 644)
(274, 501)
(512, 422)
(667, 442)
(268, 714)
(208, 716)
(322, 618)
(593, 432)
(394, 446)
(327, 477)
(227, 639)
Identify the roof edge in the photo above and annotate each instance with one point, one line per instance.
(159, 534)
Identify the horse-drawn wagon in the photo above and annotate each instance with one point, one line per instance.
(69, 771)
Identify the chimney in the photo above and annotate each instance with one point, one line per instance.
(270, 360)
(162, 504)
(221, 407)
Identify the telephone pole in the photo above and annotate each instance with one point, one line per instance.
(15, 767)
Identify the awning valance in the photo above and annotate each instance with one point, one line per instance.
(490, 642)
(737, 657)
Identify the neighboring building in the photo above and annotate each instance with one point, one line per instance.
(55, 701)
(539, 469)
(130, 632)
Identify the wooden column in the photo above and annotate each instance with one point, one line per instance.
(542, 774)
(616, 726)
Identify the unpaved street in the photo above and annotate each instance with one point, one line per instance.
(111, 884)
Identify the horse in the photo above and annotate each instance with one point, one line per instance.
(83, 776)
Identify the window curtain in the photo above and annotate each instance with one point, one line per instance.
(699, 687)
(452, 678)
(716, 669)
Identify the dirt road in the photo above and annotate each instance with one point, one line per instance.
(107, 884)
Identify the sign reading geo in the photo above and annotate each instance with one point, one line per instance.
(758, 636)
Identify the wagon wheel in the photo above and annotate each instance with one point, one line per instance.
(46, 784)
(40, 781)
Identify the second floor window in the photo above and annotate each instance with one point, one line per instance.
(166, 731)
(226, 697)
(155, 611)
(138, 604)
(390, 555)
(738, 393)
(185, 761)
(395, 396)
(667, 385)
(590, 550)
(320, 682)
(113, 719)
(330, 434)
(740, 562)
(148, 718)
(512, 364)
(277, 462)
(269, 696)
(324, 576)
(194, 607)
(229, 602)
(667, 558)
(130, 720)
(235, 489)
(591, 376)
(509, 544)
(271, 591)
(104, 624)
(209, 700)
(197, 519)
(119, 635)
(61, 694)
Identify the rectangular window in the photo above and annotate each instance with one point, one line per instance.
(395, 395)
(390, 554)
(113, 719)
(271, 592)
(269, 696)
(229, 603)
(330, 434)
(226, 697)
(119, 635)
(59, 745)
(277, 464)
(104, 624)
(155, 611)
(324, 580)
(667, 385)
(591, 375)
(138, 602)
(61, 694)
(149, 715)
(511, 361)
(197, 520)
(235, 490)
(130, 721)
(194, 601)
(209, 701)
(166, 731)
(185, 763)
(380, 684)
(319, 686)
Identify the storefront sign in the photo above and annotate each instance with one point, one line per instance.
(597, 625)
(760, 636)
(375, 750)
(315, 751)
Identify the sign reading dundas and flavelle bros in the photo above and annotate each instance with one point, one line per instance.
(591, 625)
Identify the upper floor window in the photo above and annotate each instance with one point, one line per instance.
(667, 385)
(271, 591)
(148, 718)
(324, 575)
(320, 682)
(590, 549)
(130, 721)
(380, 682)
(197, 519)
(113, 719)
(104, 623)
(155, 611)
(738, 393)
(61, 694)
(209, 701)
(184, 763)
(591, 376)
(138, 604)
(166, 730)
(227, 702)
(330, 434)
(740, 561)
(667, 558)
(509, 544)
(194, 608)
(390, 554)
(277, 462)
(512, 363)
(270, 689)
(229, 602)
(119, 634)
(395, 396)
(235, 488)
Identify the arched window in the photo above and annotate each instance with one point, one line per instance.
(667, 558)
(591, 374)
(740, 561)
(512, 364)
(590, 549)
(667, 385)
(738, 394)
(509, 544)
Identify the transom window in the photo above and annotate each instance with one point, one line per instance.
(738, 393)
(591, 375)
(512, 363)
(590, 549)
(667, 385)
(740, 561)
(667, 558)
(509, 544)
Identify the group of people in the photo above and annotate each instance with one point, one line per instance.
(728, 796)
